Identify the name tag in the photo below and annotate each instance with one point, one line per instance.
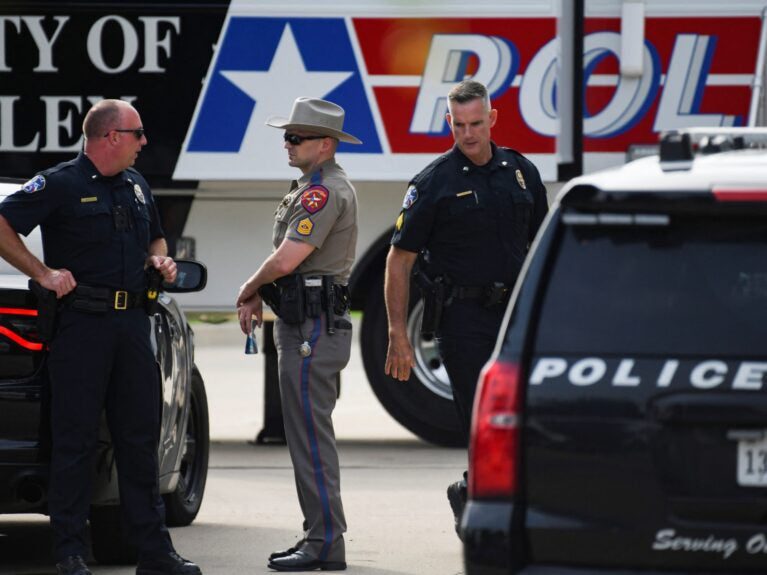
(88, 200)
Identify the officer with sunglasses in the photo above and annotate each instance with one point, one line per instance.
(314, 237)
(101, 232)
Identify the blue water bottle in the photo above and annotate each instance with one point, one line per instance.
(251, 347)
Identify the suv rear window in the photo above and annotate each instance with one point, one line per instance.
(690, 286)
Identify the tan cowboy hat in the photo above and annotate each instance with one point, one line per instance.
(315, 115)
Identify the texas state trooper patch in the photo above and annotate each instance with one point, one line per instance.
(410, 197)
(314, 199)
(34, 185)
(305, 226)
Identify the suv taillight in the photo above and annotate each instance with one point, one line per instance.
(19, 325)
(494, 445)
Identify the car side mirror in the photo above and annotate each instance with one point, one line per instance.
(191, 276)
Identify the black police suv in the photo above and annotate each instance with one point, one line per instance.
(621, 425)
(24, 420)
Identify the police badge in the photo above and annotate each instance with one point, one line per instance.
(521, 180)
(139, 193)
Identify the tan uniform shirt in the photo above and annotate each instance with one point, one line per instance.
(321, 209)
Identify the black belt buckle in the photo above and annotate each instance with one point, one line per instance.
(121, 300)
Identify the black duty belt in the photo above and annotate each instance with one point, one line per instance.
(95, 299)
(469, 292)
(488, 295)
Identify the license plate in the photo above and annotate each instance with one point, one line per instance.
(752, 462)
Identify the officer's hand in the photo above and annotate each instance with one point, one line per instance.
(246, 292)
(166, 266)
(61, 281)
(249, 308)
(399, 357)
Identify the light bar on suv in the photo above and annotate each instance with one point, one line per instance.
(683, 145)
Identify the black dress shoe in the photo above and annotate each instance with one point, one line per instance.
(170, 564)
(301, 561)
(72, 565)
(290, 551)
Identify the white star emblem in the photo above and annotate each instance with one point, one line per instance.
(274, 92)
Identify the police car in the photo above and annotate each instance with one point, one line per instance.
(621, 425)
(24, 417)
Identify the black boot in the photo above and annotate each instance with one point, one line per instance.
(456, 496)
(170, 564)
(72, 565)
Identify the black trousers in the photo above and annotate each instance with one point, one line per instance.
(467, 336)
(97, 362)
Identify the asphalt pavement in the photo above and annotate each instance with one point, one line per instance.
(393, 484)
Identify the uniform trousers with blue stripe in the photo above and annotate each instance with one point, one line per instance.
(308, 388)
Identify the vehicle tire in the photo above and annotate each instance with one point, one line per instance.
(108, 541)
(183, 504)
(424, 404)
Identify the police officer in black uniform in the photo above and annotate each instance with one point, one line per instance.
(471, 215)
(101, 231)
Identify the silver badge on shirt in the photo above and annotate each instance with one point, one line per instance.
(139, 193)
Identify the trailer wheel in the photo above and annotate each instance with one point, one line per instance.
(423, 404)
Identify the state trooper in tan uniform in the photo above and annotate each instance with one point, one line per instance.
(305, 280)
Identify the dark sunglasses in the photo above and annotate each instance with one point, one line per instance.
(138, 132)
(295, 139)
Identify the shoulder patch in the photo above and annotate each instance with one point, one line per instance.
(410, 197)
(314, 199)
(305, 227)
(34, 185)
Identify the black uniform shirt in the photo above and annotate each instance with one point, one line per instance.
(97, 227)
(477, 222)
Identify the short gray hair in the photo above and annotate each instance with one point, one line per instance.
(467, 91)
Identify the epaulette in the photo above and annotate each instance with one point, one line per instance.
(58, 167)
(316, 178)
(516, 153)
(429, 170)
(136, 176)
